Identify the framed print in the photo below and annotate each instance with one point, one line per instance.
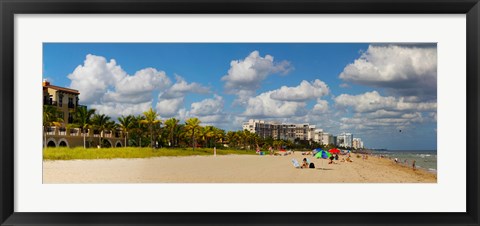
(237, 113)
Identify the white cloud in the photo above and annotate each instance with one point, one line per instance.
(264, 106)
(376, 112)
(169, 107)
(303, 92)
(245, 76)
(321, 107)
(181, 88)
(171, 101)
(373, 101)
(206, 107)
(105, 86)
(404, 70)
(115, 110)
(94, 77)
(145, 80)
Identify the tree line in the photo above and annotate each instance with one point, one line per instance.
(146, 130)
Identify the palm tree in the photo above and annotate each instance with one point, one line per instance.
(100, 121)
(51, 117)
(192, 124)
(82, 119)
(209, 134)
(126, 123)
(218, 135)
(139, 128)
(232, 138)
(171, 125)
(150, 120)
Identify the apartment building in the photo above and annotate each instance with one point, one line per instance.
(276, 130)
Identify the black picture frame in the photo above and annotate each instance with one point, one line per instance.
(9, 8)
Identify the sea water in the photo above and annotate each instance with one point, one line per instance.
(426, 159)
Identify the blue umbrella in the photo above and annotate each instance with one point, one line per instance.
(316, 150)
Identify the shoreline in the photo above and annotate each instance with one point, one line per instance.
(230, 169)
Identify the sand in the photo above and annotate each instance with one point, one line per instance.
(230, 169)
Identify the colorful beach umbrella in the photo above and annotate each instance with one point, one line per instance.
(316, 150)
(323, 154)
(334, 151)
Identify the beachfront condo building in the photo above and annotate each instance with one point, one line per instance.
(277, 130)
(357, 143)
(327, 139)
(345, 140)
(65, 101)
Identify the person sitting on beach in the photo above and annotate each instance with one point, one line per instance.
(396, 160)
(331, 159)
(336, 156)
(304, 163)
(348, 159)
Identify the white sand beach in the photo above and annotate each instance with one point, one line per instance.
(230, 169)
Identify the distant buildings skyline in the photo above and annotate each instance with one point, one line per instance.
(301, 131)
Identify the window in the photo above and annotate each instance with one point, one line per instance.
(70, 102)
(70, 117)
(60, 100)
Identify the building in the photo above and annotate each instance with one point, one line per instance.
(65, 100)
(327, 139)
(357, 143)
(276, 130)
(345, 140)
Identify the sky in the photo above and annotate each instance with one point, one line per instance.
(385, 94)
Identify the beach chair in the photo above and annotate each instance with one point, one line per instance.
(295, 163)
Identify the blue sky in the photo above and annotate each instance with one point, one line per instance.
(371, 90)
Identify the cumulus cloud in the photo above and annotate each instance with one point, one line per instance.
(303, 92)
(320, 107)
(171, 101)
(212, 106)
(144, 81)
(105, 86)
(182, 87)
(406, 70)
(169, 107)
(245, 76)
(115, 110)
(373, 101)
(94, 77)
(375, 112)
(264, 106)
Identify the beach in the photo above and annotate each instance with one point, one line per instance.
(230, 169)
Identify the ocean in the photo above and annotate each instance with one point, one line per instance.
(426, 159)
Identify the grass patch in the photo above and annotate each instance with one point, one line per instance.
(64, 153)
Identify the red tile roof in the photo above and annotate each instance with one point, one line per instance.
(67, 90)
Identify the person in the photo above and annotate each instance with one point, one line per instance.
(348, 159)
(336, 156)
(304, 163)
(413, 164)
(396, 160)
(331, 159)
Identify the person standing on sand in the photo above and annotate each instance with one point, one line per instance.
(413, 164)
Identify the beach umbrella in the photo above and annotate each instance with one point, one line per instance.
(316, 150)
(322, 154)
(334, 151)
